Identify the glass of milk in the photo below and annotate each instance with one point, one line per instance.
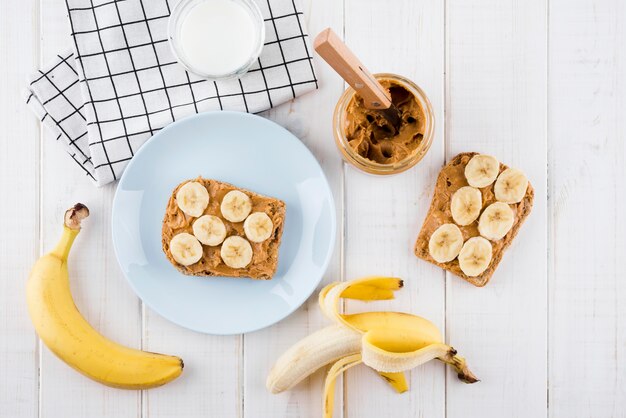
(217, 39)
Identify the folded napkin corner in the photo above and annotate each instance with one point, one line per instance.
(120, 83)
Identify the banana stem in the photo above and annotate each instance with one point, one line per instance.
(459, 364)
(62, 249)
(74, 216)
(71, 228)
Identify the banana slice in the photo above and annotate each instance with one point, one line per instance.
(466, 204)
(236, 206)
(511, 186)
(209, 230)
(186, 249)
(475, 256)
(236, 252)
(496, 221)
(445, 243)
(192, 198)
(482, 170)
(258, 227)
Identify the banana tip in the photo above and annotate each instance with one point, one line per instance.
(273, 388)
(272, 384)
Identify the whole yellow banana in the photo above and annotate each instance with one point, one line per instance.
(68, 335)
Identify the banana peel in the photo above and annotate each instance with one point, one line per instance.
(391, 343)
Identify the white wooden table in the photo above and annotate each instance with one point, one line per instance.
(539, 83)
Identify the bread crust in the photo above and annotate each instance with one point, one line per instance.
(450, 179)
(265, 254)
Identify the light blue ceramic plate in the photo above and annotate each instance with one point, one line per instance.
(250, 152)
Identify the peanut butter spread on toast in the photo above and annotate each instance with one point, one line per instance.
(452, 178)
(265, 254)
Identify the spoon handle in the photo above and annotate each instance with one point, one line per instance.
(332, 49)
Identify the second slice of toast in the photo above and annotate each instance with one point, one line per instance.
(451, 178)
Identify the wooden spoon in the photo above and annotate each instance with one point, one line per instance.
(375, 97)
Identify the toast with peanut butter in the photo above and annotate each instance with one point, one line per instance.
(478, 207)
(212, 228)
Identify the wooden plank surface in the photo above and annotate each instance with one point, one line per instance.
(539, 84)
(99, 289)
(262, 348)
(496, 104)
(383, 214)
(587, 131)
(19, 211)
(209, 385)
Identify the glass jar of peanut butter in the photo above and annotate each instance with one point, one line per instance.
(368, 142)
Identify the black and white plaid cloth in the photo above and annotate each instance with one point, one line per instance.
(120, 83)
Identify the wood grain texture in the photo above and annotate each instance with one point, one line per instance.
(99, 288)
(521, 80)
(383, 214)
(587, 131)
(19, 211)
(496, 104)
(209, 385)
(262, 348)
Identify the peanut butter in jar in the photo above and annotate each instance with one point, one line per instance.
(367, 140)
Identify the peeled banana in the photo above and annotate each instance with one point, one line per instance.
(210, 230)
(258, 226)
(465, 205)
(314, 351)
(389, 342)
(67, 334)
(192, 198)
(236, 252)
(482, 170)
(445, 243)
(511, 186)
(475, 256)
(236, 206)
(496, 221)
(186, 249)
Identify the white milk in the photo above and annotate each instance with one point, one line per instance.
(218, 37)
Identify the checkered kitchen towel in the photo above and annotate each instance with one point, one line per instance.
(120, 83)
